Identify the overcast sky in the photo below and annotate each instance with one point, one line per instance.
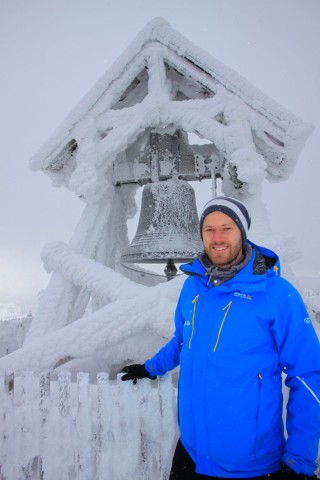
(53, 51)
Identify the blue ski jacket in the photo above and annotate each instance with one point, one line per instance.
(234, 342)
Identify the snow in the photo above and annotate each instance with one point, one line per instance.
(95, 310)
(9, 310)
(108, 430)
(95, 315)
(13, 330)
(129, 328)
(102, 113)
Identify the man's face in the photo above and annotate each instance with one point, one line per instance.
(222, 240)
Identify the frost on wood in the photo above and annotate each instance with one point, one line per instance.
(163, 80)
(108, 429)
(132, 128)
(132, 326)
(135, 127)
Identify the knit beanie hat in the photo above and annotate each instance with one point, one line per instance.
(231, 207)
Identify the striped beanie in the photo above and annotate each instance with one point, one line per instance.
(231, 207)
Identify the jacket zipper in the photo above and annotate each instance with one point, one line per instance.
(226, 308)
(194, 301)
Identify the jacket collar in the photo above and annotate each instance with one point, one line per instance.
(262, 263)
(218, 275)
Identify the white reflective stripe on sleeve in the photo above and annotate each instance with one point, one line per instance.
(308, 388)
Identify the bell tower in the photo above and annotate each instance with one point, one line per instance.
(132, 130)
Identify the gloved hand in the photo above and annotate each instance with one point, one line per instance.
(135, 371)
(288, 474)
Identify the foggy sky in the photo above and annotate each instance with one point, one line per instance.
(53, 51)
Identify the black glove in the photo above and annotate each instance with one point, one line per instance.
(288, 474)
(133, 372)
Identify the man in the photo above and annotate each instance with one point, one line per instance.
(239, 325)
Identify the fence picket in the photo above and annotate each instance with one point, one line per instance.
(66, 462)
(84, 460)
(44, 403)
(23, 403)
(128, 429)
(105, 439)
(6, 425)
(168, 423)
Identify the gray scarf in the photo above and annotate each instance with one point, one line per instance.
(219, 275)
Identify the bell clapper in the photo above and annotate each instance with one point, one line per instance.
(170, 269)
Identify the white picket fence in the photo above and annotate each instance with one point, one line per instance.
(75, 430)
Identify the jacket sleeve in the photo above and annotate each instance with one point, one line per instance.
(168, 357)
(299, 351)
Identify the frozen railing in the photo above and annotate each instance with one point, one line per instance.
(78, 430)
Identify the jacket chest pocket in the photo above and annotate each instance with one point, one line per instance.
(241, 328)
(189, 324)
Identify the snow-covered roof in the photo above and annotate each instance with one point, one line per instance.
(163, 82)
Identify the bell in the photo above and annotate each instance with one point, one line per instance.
(168, 228)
